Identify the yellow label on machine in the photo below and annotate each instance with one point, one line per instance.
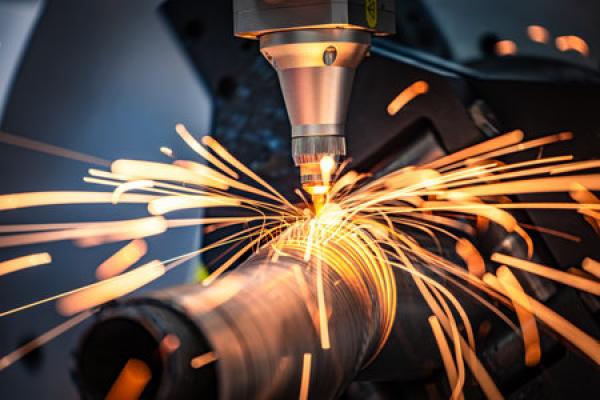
(371, 13)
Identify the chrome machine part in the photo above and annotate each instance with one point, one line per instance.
(315, 48)
(316, 70)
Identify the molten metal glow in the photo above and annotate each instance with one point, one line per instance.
(36, 199)
(122, 259)
(24, 262)
(529, 331)
(170, 343)
(446, 354)
(305, 380)
(591, 266)
(110, 289)
(167, 151)
(406, 96)
(550, 273)
(573, 43)
(538, 33)
(131, 382)
(505, 48)
(203, 360)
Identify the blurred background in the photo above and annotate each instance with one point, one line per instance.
(112, 78)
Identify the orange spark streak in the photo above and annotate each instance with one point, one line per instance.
(203, 360)
(131, 382)
(540, 185)
(305, 379)
(169, 204)
(110, 289)
(505, 48)
(137, 169)
(479, 372)
(471, 256)
(581, 195)
(553, 232)
(15, 201)
(592, 266)
(531, 337)
(407, 95)
(575, 167)
(442, 343)
(550, 273)
(92, 234)
(41, 147)
(41, 340)
(227, 156)
(323, 320)
(24, 262)
(122, 259)
(114, 177)
(199, 168)
(530, 144)
(197, 147)
(538, 34)
(491, 212)
(166, 151)
(327, 165)
(304, 290)
(128, 186)
(576, 336)
(504, 140)
(573, 42)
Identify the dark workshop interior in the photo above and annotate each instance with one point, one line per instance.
(319, 288)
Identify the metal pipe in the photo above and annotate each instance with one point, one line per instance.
(259, 321)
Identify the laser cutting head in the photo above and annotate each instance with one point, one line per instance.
(315, 47)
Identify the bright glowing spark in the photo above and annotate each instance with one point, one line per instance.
(505, 48)
(529, 331)
(31, 144)
(35, 199)
(203, 360)
(574, 43)
(170, 343)
(128, 186)
(122, 259)
(592, 266)
(327, 165)
(550, 273)
(446, 354)
(24, 262)
(167, 151)
(131, 382)
(576, 336)
(305, 379)
(406, 96)
(538, 34)
(112, 288)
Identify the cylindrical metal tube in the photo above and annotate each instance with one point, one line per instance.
(259, 321)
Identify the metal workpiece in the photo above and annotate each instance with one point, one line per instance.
(254, 18)
(259, 323)
(143, 330)
(316, 71)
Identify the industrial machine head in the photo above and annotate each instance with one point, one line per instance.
(315, 47)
